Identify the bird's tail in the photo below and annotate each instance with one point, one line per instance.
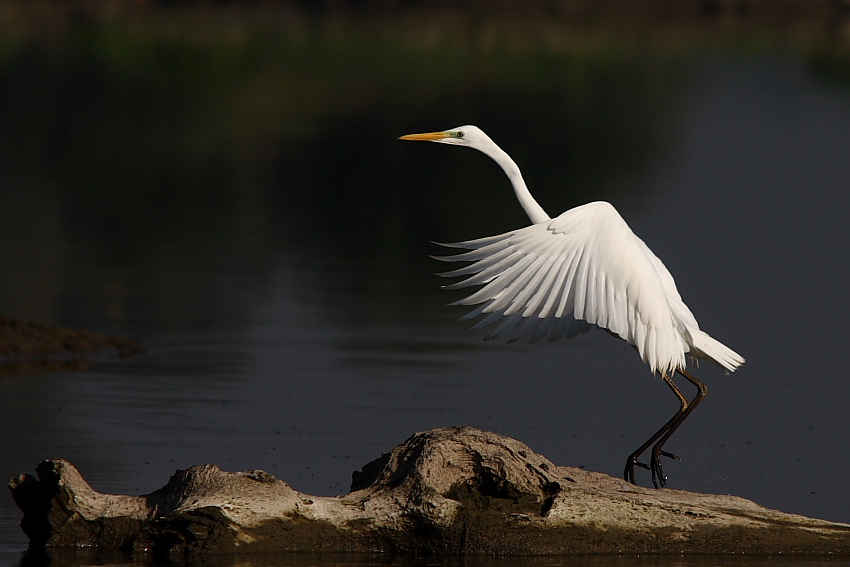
(707, 348)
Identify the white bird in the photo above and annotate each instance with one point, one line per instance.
(584, 268)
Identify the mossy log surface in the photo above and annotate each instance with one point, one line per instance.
(454, 490)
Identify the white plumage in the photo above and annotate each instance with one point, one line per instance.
(585, 267)
(560, 277)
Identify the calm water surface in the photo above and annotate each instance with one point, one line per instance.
(260, 230)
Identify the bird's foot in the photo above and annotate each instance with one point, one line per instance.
(654, 466)
(631, 463)
(658, 478)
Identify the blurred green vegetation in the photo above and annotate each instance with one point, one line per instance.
(164, 137)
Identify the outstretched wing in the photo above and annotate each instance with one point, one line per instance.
(559, 277)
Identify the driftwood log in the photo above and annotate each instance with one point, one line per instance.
(447, 491)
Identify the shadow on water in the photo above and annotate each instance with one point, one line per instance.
(223, 183)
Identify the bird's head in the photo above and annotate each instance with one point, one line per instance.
(471, 136)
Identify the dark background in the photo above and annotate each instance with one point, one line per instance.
(223, 183)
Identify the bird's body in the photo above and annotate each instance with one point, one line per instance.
(585, 267)
(561, 276)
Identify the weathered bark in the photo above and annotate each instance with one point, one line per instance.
(454, 490)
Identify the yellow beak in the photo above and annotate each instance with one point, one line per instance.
(427, 137)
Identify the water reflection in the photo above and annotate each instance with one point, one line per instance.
(363, 560)
(232, 194)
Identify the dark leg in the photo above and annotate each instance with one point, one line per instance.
(632, 461)
(658, 477)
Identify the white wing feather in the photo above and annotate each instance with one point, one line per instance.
(586, 267)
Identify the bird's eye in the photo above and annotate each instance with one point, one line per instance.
(458, 134)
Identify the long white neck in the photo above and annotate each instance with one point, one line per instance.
(532, 208)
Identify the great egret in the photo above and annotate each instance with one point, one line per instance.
(584, 268)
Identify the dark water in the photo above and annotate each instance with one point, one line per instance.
(81, 558)
(67, 557)
(238, 202)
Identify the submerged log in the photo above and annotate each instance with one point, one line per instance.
(29, 347)
(448, 491)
